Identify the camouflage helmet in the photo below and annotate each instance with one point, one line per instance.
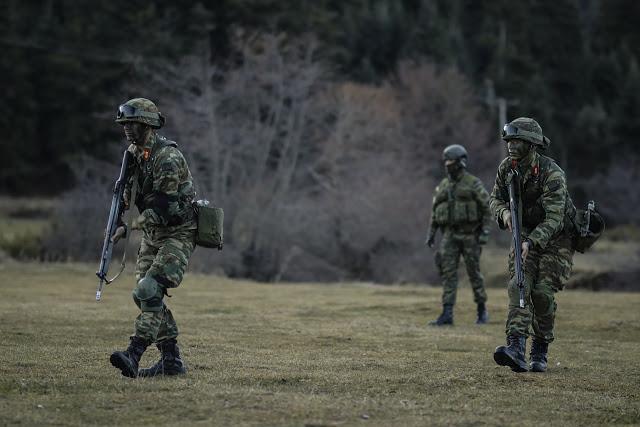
(455, 152)
(140, 110)
(526, 129)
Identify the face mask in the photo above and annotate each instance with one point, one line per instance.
(454, 168)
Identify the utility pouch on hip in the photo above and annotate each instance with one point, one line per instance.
(588, 226)
(210, 225)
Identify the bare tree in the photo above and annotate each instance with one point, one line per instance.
(249, 128)
(381, 162)
(320, 180)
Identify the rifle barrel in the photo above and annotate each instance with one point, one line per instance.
(515, 230)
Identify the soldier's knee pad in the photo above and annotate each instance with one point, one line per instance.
(136, 299)
(148, 294)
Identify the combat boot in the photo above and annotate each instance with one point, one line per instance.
(512, 354)
(483, 314)
(446, 318)
(127, 361)
(538, 355)
(170, 362)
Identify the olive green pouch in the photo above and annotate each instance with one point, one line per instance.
(210, 227)
(589, 226)
(442, 214)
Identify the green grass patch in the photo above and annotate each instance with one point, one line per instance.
(21, 238)
(628, 232)
(301, 354)
(23, 224)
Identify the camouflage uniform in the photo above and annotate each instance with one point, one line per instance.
(544, 208)
(164, 196)
(545, 202)
(165, 193)
(460, 209)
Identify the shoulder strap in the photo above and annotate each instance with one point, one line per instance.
(544, 163)
(161, 142)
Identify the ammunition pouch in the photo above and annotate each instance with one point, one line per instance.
(441, 216)
(465, 212)
(457, 212)
(210, 226)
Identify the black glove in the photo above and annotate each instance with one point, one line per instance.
(431, 240)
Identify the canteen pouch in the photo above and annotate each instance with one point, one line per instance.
(210, 227)
(588, 226)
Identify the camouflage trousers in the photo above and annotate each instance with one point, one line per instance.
(447, 260)
(545, 273)
(164, 258)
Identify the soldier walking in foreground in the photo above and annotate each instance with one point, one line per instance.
(460, 209)
(543, 203)
(164, 198)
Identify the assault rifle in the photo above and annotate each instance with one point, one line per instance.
(117, 207)
(515, 231)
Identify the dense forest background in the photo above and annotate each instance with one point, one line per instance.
(317, 124)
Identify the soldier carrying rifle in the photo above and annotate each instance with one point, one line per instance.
(165, 192)
(543, 202)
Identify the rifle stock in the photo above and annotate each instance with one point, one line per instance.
(117, 206)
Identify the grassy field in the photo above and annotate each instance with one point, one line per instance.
(305, 355)
(23, 223)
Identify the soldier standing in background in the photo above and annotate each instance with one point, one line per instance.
(164, 198)
(547, 252)
(460, 209)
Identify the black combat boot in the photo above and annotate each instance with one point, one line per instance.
(170, 362)
(483, 314)
(446, 318)
(127, 361)
(538, 355)
(512, 355)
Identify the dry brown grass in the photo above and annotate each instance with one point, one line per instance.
(345, 354)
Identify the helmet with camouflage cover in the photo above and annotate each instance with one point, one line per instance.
(140, 110)
(455, 152)
(526, 129)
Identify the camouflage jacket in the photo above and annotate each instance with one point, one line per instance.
(544, 195)
(165, 189)
(461, 205)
